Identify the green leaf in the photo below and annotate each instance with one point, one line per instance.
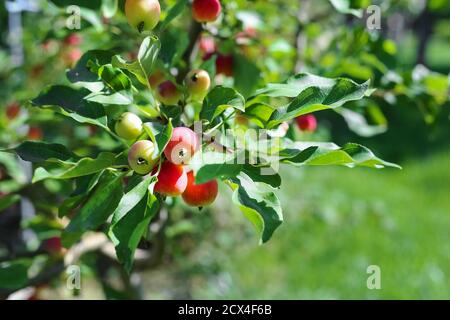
(260, 113)
(109, 8)
(114, 78)
(295, 85)
(70, 102)
(43, 227)
(84, 167)
(174, 11)
(246, 75)
(81, 73)
(34, 151)
(85, 184)
(257, 175)
(350, 155)
(359, 124)
(312, 93)
(131, 220)
(259, 205)
(13, 167)
(174, 43)
(172, 112)
(142, 68)
(116, 98)
(210, 165)
(218, 100)
(100, 205)
(14, 274)
(131, 199)
(345, 6)
(159, 134)
(8, 200)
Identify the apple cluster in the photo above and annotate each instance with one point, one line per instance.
(171, 168)
(144, 15)
(173, 177)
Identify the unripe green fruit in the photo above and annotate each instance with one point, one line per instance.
(142, 157)
(168, 93)
(128, 126)
(143, 14)
(198, 83)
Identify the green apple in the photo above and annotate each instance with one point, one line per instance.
(142, 157)
(143, 14)
(198, 83)
(128, 126)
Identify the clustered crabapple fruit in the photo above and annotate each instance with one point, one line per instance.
(173, 179)
(143, 15)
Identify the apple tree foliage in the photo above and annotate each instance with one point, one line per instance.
(81, 183)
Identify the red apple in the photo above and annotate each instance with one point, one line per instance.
(172, 180)
(182, 146)
(224, 65)
(307, 123)
(73, 39)
(35, 133)
(168, 93)
(156, 79)
(207, 47)
(199, 195)
(12, 110)
(206, 10)
(53, 245)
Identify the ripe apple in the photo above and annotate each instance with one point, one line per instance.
(143, 14)
(73, 39)
(70, 57)
(142, 157)
(35, 133)
(172, 180)
(12, 110)
(198, 83)
(36, 71)
(206, 10)
(168, 93)
(241, 120)
(199, 195)
(53, 245)
(182, 146)
(155, 79)
(224, 65)
(207, 47)
(128, 126)
(307, 123)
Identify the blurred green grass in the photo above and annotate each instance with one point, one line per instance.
(338, 221)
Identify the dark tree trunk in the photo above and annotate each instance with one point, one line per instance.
(424, 29)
